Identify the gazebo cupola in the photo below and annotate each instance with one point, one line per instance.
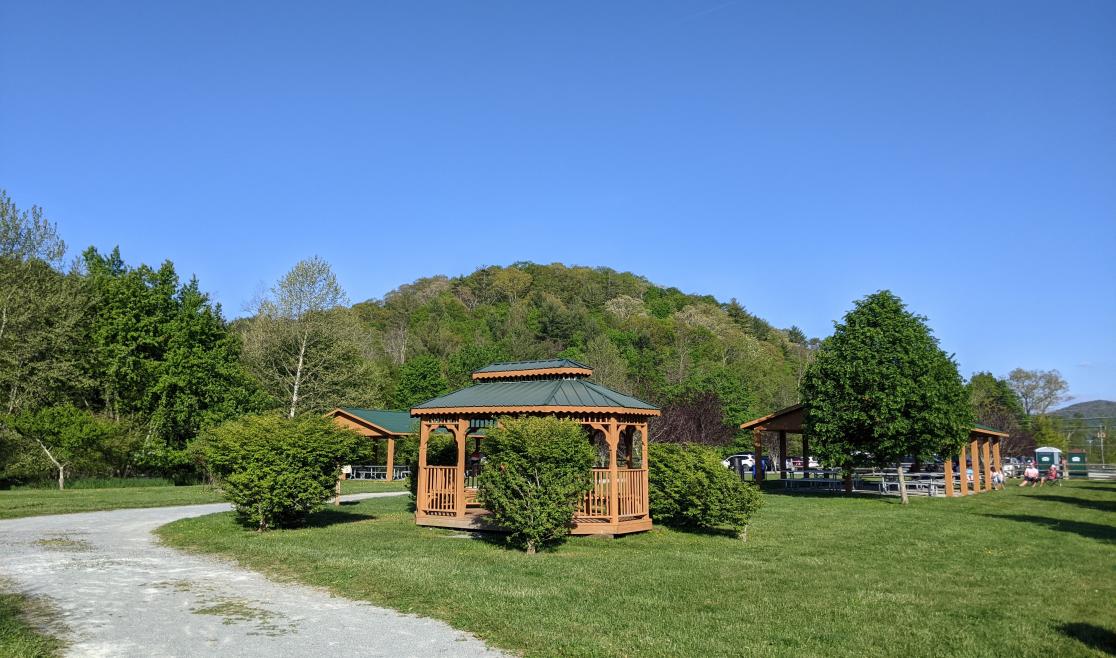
(614, 422)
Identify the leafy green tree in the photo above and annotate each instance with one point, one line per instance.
(28, 235)
(881, 389)
(1038, 390)
(276, 471)
(469, 359)
(995, 404)
(41, 312)
(302, 344)
(43, 327)
(1048, 431)
(419, 380)
(65, 436)
(537, 470)
(162, 353)
(689, 487)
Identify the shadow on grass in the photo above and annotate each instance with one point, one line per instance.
(1099, 505)
(1094, 637)
(1105, 533)
(814, 493)
(1111, 488)
(335, 516)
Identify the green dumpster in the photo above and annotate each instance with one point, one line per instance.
(1078, 463)
(1047, 456)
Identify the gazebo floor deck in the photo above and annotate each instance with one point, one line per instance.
(479, 519)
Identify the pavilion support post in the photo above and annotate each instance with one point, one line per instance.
(420, 501)
(996, 454)
(390, 459)
(612, 436)
(460, 429)
(987, 459)
(757, 447)
(782, 454)
(948, 468)
(805, 456)
(961, 471)
(974, 456)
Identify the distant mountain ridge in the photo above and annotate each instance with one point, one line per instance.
(1090, 409)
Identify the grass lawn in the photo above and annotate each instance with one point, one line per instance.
(1021, 573)
(19, 638)
(33, 502)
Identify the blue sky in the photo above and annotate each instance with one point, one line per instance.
(794, 155)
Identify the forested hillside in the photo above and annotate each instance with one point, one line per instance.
(113, 368)
(686, 352)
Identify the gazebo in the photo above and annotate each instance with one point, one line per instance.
(617, 503)
(983, 448)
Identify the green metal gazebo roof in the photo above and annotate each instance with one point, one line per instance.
(535, 394)
(394, 422)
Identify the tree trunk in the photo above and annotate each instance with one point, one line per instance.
(530, 547)
(298, 376)
(60, 466)
(743, 534)
(902, 484)
(848, 481)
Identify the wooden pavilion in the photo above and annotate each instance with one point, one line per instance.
(378, 424)
(614, 422)
(983, 449)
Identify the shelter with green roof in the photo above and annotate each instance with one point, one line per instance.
(616, 423)
(382, 424)
(983, 449)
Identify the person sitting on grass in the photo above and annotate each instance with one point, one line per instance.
(1030, 476)
(1051, 475)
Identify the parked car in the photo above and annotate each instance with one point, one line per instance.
(1014, 467)
(745, 459)
(797, 462)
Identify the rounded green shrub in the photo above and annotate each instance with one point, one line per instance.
(690, 488)
(276, 471)
(536, 470)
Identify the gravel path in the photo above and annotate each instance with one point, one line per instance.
(120, 593)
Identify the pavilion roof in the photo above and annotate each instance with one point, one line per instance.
(790, 420)
(387, 420)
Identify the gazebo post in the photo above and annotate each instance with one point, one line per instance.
(805, 457)
(782, 454)
(757, 445)
(974, 456)
(643, 446)
(948, 473)
(612, 437)
(420, 499)
(460, 430)
(996, 454)
(961, 471)
(390, 459)
(987, 465)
